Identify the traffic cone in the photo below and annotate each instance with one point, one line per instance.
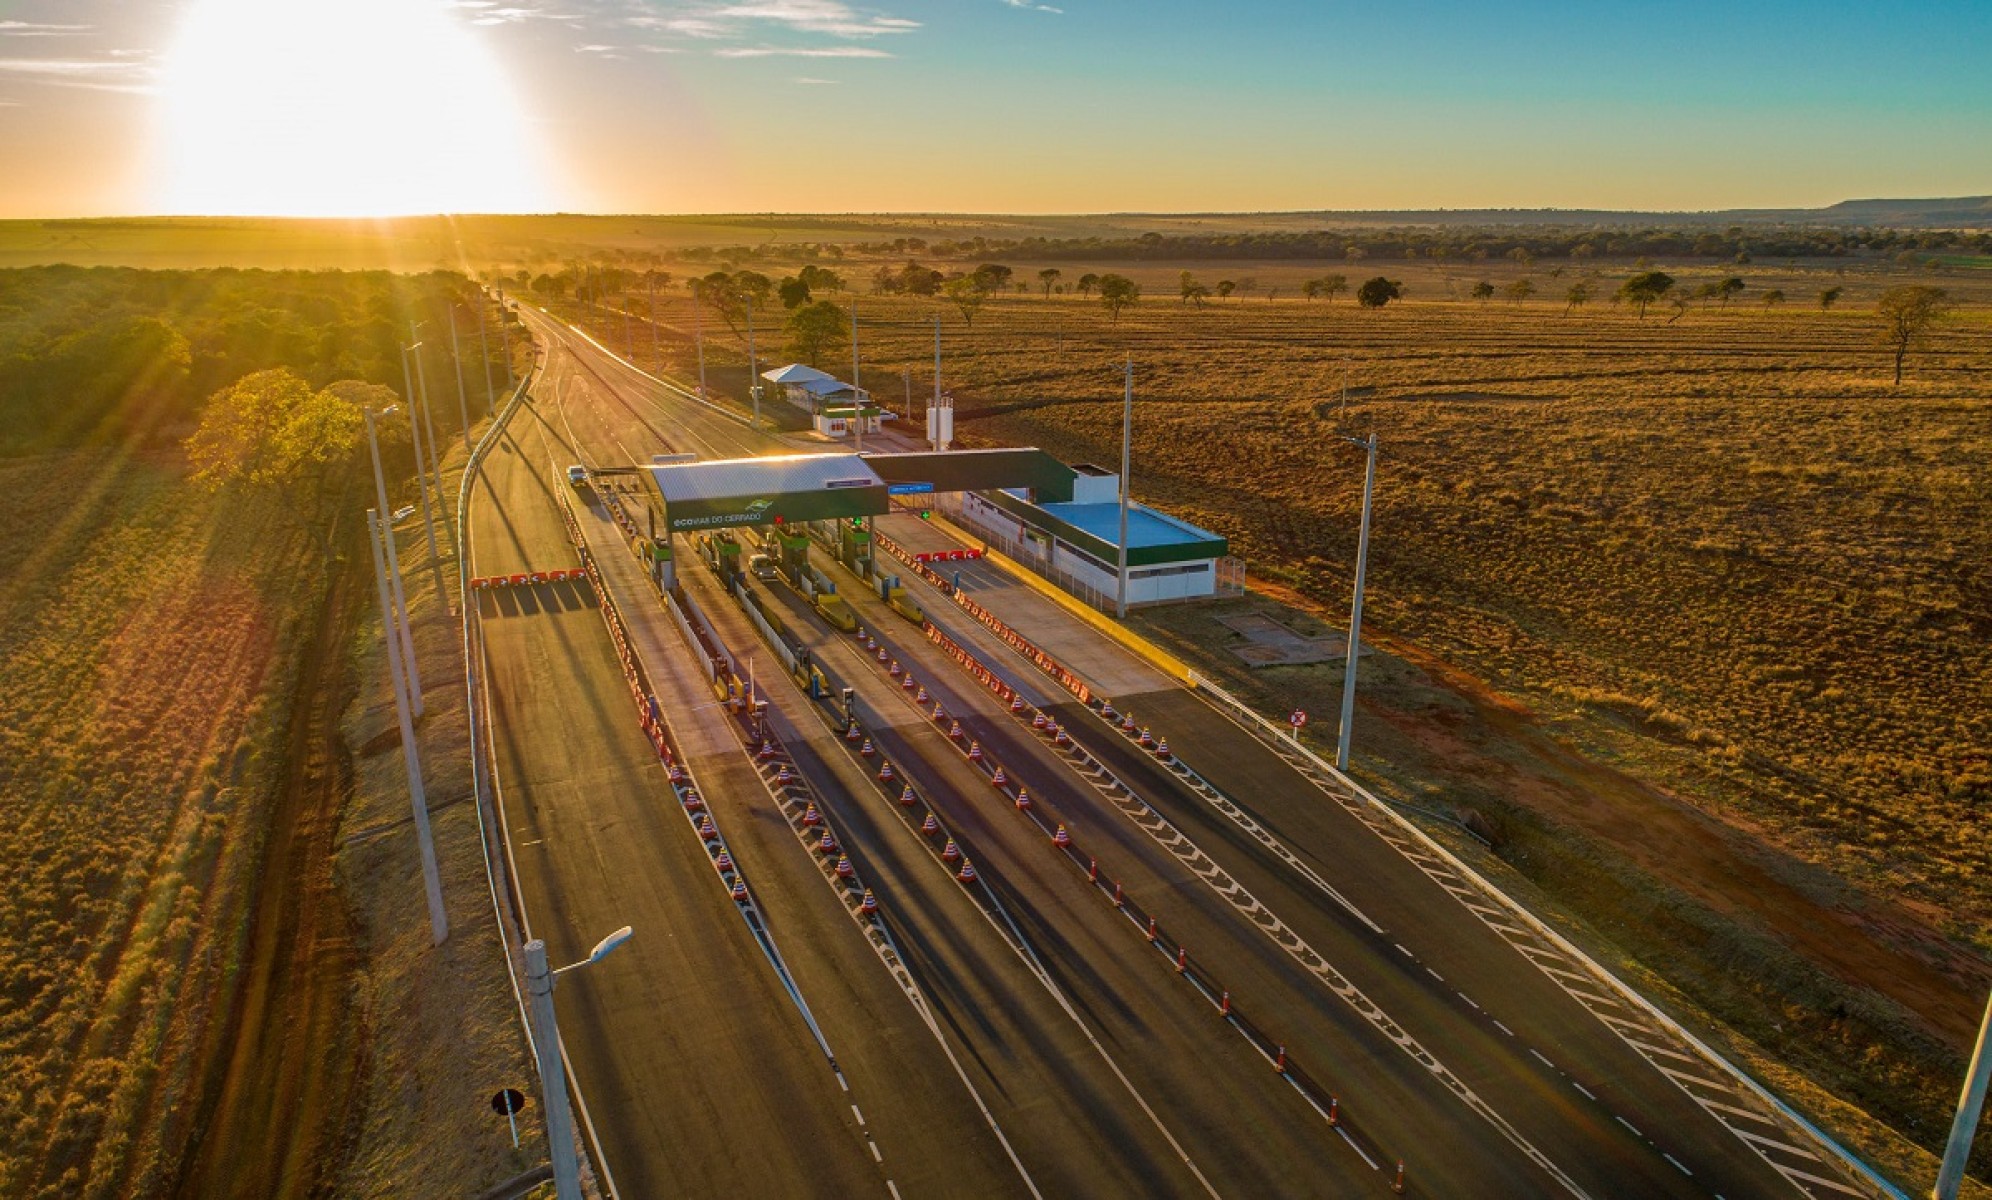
(882, 655)
(1016, 703)
(967, 872)
(828, 844)
(1127, 723)
(974, 747)
(692, 801)
(1119, 900)
(810, 816)
(950, 852)
(906, 796)
(1151, 929)
(869, 905)
(1279, 1061)
(767, 751)
(866, 749)
(999, 779)
(930, 826)
(844, 868)
(1092, 870)
(907, 683)
(1023, 799)
(1037, 720)
(895, 669)
(677, 774)
(1146, 739)
(852, 733)
(1162, 749)
(1397, 1185)
(723, 862)
(885, 772)
(1182, 959)
(739, 889)
(707, 830)
(782, 776)
(954, 731)
(1060, 838)
(1107, 711)
(1058, 737)
(1334, 1111)
(1224, 1005)
(920, 697)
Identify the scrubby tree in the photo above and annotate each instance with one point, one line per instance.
(1311, 289)
(1907, 314)
(1377, 292)
(1047, 278)
(794, 293)
(1644, 289)
(1087, 283)
(816, 329)
(1332, 286)
(1224, 289)
(1729, 289)
(821, 279)
(1828, 297)
(270, 431)
(992, 277)
(1191, 289)
(1483, 291)
(1520, 290)
(1578, 295)
(1118, 292)
(966, 295)
(1773, 298)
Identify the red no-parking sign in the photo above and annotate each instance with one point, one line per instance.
(1298, 719)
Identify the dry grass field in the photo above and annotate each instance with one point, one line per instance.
(146, 635)
(1633, 573)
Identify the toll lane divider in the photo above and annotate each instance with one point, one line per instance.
(482, 583)
(1067, 679)
(1313, 1090)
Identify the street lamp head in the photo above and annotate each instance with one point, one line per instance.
(608, 944)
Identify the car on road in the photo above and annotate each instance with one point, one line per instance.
(577, 475)
(762, 566)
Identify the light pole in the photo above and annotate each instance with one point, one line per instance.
(428, 419)
(394, 567)
(1356, 613)
(421, 473)
(439, 922)
(857, 388)
(1969, 1105)
(456, 357)
(753, 360)
(650, 290)
(505, 342)
(1127, 457)
(698, 339)
(484, 356)
(546, 1047)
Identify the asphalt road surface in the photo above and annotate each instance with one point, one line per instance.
(1040, 1044)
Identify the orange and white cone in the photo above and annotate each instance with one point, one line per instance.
(810, 816)
(828, 845)
(930, 826)
(906, 796)
(739, 888)
(868, 905)
(1024, 799)
(967, 872)
(1060, 838)
(844, 868)
(950, 852)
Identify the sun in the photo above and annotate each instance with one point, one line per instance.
(353, 108)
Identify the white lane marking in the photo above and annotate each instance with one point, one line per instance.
(1545, 1062)
(860, 1116)
(1678, 1164)
(1400, 946)
(1631, 1126)
(1465, 997)
(876, 1156)
(1588, 1094)
(1435, 974)
(1504, 1029)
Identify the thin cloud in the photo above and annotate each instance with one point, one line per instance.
(811, 80)
(1034, 7)
(799, 52)
(816, 16)
(29, 29)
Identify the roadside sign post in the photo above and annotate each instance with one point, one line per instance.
(1297, 719)
(510, 1101)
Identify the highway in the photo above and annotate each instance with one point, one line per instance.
(1040, 1044)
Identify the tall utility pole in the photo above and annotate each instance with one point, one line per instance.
(650, 290)
(456, 356)
(1127, 459)
(421, 474)
(698, 339)
(484, 355)
(753, 361)
(857, 388)
(428, 420)
(439, 921)
(1969, 1105)
(505, 342)
(553, 1077)
(394, 574)
(1356, 613)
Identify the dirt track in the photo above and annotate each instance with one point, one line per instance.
(286, 1068)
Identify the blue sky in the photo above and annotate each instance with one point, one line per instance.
(1089, 105)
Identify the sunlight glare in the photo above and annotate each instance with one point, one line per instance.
(356, 108)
